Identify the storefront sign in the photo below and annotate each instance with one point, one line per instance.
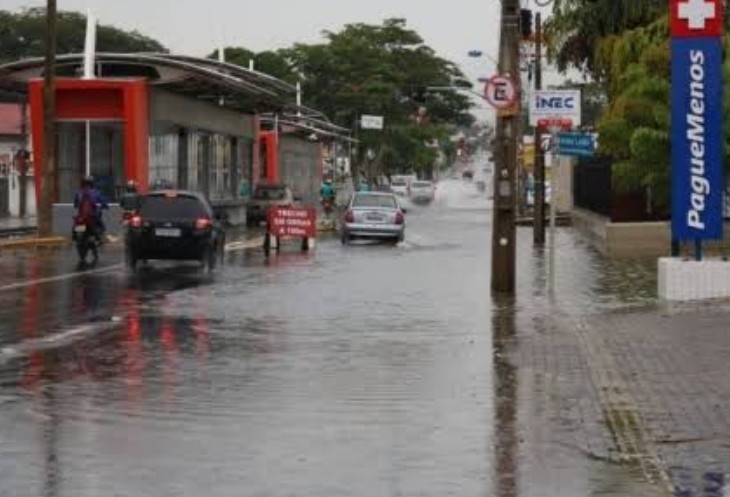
(697, 137)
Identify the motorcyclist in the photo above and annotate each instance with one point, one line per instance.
(328, 191)
(89, 201)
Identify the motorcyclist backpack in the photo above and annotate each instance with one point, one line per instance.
(87, 207)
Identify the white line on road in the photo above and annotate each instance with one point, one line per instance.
(61, 277)
(57, 339)
(238, 245)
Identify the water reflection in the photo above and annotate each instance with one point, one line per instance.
(505, 388)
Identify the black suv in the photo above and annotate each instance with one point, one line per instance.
(174, 225)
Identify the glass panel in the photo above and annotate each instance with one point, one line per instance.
(164, 156)
(107, 158)
(71, 159)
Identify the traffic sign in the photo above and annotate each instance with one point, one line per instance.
(577, 144)
(561, 107)
(697, 139)
(501, 92)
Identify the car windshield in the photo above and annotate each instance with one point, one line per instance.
(399, 182)
(270, 193)
(172, 207)
(385, 201)
(421, 184)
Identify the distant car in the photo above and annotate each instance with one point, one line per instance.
(399, 186)
(422, 191)
(265, 196)
(174, 225)
(374, 215)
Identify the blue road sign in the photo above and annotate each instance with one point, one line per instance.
(576, 144)
(697, 139)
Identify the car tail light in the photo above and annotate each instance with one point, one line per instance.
(399, 218)
(136, 222)
(349, 217)
(202, 223)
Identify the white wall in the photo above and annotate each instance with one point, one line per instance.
(14, 187)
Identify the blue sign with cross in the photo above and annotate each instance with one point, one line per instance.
(698, 143)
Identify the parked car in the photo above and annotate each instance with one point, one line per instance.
(265, 196)
(374, 215)
(422, 191)
(174, 225)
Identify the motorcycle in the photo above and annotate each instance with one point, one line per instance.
(328, 206)
(86, 238)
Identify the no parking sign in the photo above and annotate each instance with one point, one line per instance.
(501, 93)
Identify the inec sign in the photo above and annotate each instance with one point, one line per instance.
(548, 105)
(697, 139)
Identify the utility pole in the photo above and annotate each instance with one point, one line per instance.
(45, 204)
(539, 195)
(505, 172)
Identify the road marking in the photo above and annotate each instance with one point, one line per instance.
(61, 277)
(57, 340)
(239, 245)
(245, 244)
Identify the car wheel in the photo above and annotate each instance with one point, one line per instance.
(207, 260)
(82, 249)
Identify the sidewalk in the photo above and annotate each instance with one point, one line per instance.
(644, 389)
(13, 226)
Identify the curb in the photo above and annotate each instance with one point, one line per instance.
(33, 242)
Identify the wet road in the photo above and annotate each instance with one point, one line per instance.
(364, 370)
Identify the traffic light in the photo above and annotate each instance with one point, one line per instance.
(526, 23)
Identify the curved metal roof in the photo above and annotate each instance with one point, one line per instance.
(207, 79)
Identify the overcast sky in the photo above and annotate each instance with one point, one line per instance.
(196, 27)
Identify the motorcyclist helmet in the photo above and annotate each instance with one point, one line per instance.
(88, 181)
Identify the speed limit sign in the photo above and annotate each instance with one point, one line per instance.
(501, 92)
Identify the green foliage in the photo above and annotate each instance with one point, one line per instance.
(22, 34)
(374, 69)
(577, 29)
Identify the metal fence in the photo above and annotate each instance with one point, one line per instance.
(592, 185)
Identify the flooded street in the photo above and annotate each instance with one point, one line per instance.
(360, 370)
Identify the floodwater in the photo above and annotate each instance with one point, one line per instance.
(362, 370)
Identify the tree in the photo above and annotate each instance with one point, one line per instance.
(577, 27)
(273, 63)
(379, 69)
(21, 36)
(375, 69)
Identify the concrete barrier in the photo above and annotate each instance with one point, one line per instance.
(687, 280)
(33, 243)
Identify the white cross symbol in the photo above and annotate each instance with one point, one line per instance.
(697, 12)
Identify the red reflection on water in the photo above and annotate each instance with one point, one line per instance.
(170, 368)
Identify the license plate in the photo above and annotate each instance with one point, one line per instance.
(168, 232)
(80, 229)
